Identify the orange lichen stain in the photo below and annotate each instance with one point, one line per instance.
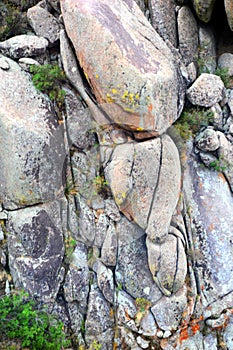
(211, 227)
(127, 315)
(111, 312)
(200, 185)
(184, 335)
(221, 177)
(150, 107)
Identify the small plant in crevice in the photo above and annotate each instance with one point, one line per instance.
(71, 189)
(48, 79)
(100, 186)
(218, 165)
(23, 321)
(224, 74)
(70, 244)
(191, 121)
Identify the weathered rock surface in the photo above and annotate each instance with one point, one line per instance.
(207, 90)
(44, 24)
(204, 9)
(76, 286)
(207, 50)
(211, 202)
(31, 141)
(188, 34)
(132, 271)
(138, 177)
(138, 103)
(225, 61)
(24, 46)
(163, 19)
(228, 8)
(36, 249)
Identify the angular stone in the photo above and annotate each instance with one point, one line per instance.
(86, 223)
(203, 9)
(44, 23)
(32, 143)
(229, 10)
(24, 46)
(109, 248)
(99, 322)
(76, 285)
(168, 310)
(207, 90)
(118, 172)
(111, 210)
(148, 326)
(36, 249)
(188, 34)
(101, 230)
(168, 265)
(132, 175)
(207, 140)
(79, 122)
(227, 334)
(166, 193)
(140, 87)
(105, 281)
(126, 310)
(163, 19)
(207, 50)
(132, 270)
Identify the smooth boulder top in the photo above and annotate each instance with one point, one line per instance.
(127, 64)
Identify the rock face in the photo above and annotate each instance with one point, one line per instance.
(32, 145)
(140, 81)
(125, 238)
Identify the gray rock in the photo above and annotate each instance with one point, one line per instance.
(105, 281)
(32, 145)
(138, 85)
(207, 90)
(166, 193)
(132, 271)
(102, 224)
(207, 140)
(76, 285)
(24, 46)
(210, 198)
(36, 249)
(163, 19)
(230, 101)
(44, 24)
(126, 309)
(147, 325)
(80, 126)
(188, 35)
(207, 50)
(225, 61)
(168, 310)
(86, 223)
(225, 155)
(162, 259)
(99, 323)
(210, 342)
(109, 248)
(111, 210)
(27, 62)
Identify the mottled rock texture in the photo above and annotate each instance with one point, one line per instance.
(32, 147)
(136, 80)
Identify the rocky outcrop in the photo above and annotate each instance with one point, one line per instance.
(32, 146)
(125, 238)
(138, 85)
